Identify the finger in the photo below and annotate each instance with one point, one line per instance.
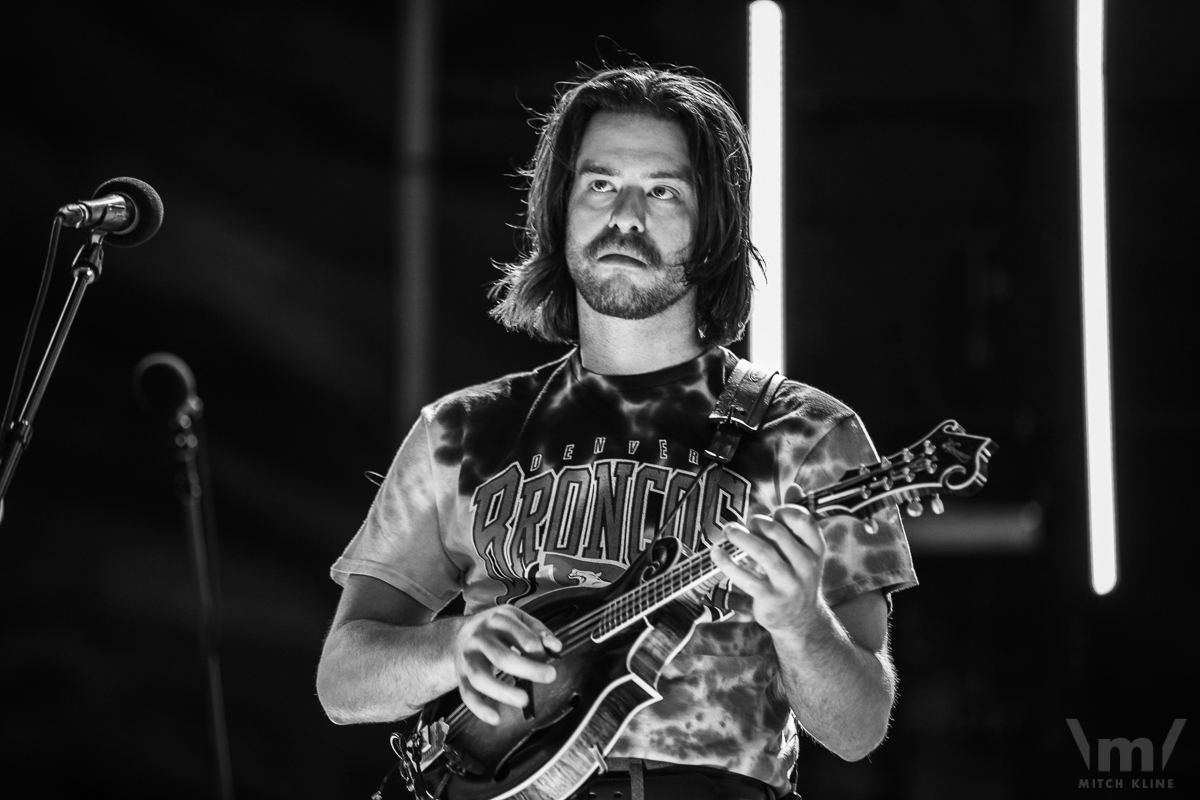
(759, 566)
(744, 579)
(506, 659)
(757, 544)
(519, 628)
(479, 705)
(794, 495)
(482, 690)
(802, 524)
(544, 634)
(789, 562)
(790, 545)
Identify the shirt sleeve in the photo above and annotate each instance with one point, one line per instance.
(856, 561)
(400, 541)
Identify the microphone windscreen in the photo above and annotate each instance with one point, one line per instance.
(162, 384)
(149, 210)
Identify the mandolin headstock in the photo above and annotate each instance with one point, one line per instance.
(947, 461)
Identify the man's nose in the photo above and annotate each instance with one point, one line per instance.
(629, 211)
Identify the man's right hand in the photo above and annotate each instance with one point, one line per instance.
(505, 640)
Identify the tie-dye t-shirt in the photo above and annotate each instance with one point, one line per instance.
(559, 477)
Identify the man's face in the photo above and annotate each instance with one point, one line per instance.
(631, 215)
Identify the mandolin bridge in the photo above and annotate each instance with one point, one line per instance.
(433, 743)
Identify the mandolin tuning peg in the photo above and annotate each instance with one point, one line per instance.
(914, 508)
(936, 505)
(871, 525)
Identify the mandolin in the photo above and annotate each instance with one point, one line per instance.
(618, 639)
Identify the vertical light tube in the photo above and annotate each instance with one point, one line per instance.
(1093, 229)
(767, 332)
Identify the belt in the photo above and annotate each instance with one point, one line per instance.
(629, 779)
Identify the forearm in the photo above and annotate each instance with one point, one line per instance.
(373, 671)
(841, 692)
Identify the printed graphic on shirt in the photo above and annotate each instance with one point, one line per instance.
(585, 525)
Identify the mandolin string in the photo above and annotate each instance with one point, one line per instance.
(631, 605)
(673, 582)
(611, 609)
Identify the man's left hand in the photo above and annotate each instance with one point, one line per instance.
(789, 549)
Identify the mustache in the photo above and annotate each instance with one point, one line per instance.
(636, 243)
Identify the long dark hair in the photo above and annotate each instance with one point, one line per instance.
(537, 294)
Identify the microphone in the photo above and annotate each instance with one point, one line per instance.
(165, 387)
(129, 210)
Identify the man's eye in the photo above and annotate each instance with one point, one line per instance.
(602, 186)
(663, 193)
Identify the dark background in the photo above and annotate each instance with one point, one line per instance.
(932, 273)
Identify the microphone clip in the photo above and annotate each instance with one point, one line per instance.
(89, 261)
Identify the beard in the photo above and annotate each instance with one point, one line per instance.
(620, 294)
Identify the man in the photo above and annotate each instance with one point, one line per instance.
(639, 253)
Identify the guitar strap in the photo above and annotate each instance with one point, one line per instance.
(741, 408)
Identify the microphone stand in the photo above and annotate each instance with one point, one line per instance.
(88, 264)
(192, 499)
